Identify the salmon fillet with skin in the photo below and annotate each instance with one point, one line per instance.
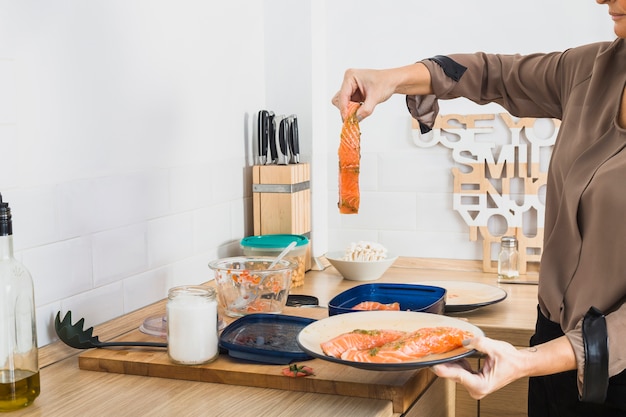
(375, 305)
(359, 339)
(349, 162)
(415, 345)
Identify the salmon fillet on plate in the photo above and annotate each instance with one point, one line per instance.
(405, 347)
(359, 339)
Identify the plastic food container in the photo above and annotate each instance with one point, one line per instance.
(265, 338)
(273, 245)
(245, 285)
(412, 297)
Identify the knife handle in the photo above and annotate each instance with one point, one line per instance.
(283, 152)
(271, 137)
(294, 136)
(262, 136)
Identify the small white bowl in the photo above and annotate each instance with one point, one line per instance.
(360, 270)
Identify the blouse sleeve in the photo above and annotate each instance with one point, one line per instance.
(616, 327)
(526, 86)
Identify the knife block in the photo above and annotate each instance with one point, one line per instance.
(281, 201)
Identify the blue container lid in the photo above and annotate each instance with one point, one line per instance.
(265, 338)
(279, 241)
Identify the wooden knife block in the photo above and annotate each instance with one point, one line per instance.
(281, 201)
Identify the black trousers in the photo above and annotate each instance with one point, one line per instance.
(557, 395)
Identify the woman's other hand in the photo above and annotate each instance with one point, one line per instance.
(372, 87)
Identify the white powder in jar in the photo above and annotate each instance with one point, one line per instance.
(192, 327)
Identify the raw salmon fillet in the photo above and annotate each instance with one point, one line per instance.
(359, 339)
(415, 345)
(349, 163)
(375, 305)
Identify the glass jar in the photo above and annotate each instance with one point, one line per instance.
(508, 259)
(192, 325)
(19, 363)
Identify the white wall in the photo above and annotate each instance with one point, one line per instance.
(406, 191)
(125, 144)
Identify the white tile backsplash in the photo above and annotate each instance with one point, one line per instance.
(212, 226)
(119, 253)
(230, 178)
(241, 209)
(45, 322)
(8, 91)
(417, 169)
(191, 187)
(10, 146)
(340, 239)
(97, 305)
(435, 213)
(378, 211)
(170, 239)
(191, 271)
(93, 205)
(432, 244)
(146, 288)
(60, 270)
(35, 216)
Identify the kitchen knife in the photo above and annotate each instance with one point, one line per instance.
(294, 140)
(271, 137)
(281, 140)
(263, 132)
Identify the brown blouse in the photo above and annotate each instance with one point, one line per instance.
(584, 258)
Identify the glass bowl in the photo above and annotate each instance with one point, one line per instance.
(245, 285)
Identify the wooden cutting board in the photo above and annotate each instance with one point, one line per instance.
(402, 388)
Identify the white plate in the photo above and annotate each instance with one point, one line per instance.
(466, 296)
(311, 337)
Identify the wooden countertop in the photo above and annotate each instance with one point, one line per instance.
(68, 391)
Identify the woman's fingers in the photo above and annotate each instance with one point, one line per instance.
(498, 367)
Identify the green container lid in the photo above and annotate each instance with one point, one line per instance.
(278, 241)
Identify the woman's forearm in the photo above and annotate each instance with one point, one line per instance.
(548, 358)
(412, 79)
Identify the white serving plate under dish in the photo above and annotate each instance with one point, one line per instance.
(311, 336)
(466, 296)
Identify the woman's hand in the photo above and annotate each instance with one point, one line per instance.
(501, 366)
(372, 87)
(366, 86)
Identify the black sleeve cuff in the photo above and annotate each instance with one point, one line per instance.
(596, 344)
(450, 67)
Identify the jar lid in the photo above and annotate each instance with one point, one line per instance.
(509, 241)
(273, 241)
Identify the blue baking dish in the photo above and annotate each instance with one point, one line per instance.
(265, 338)
(412, 297)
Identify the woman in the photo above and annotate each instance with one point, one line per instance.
(578, 353)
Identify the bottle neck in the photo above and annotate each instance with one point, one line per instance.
(6, 247)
